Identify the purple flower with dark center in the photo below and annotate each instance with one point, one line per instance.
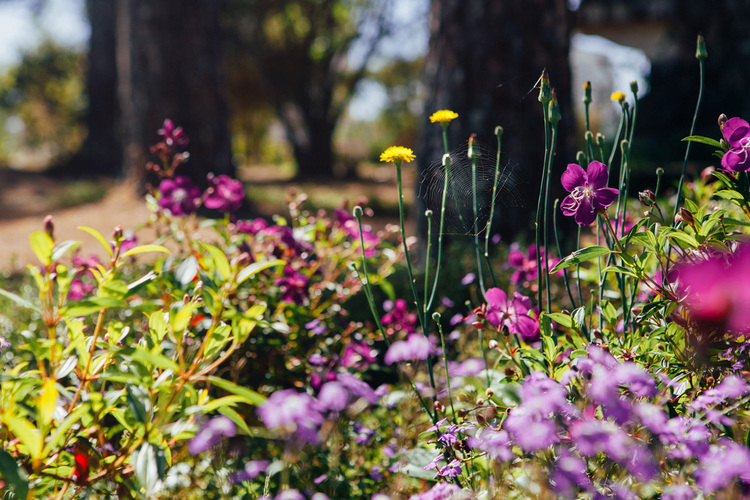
(293, 411)
(179, 195)
(211, 434)
(173, 136)
(588, 191)
(737, 134)
(253, 469)
(224, 193)
(511, 314)
(416, 347)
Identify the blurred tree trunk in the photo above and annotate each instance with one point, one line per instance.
(169, 64)
(102, 152)
(484, 58)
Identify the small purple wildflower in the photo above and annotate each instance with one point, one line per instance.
(316, 327)
(588, 191)
(678, 492)
(3, 343)
(333, 396)
(179, 195)
(173, 136)
(721, 465)
(736, 132)
(468, 279)
(416, 347)
(511, 314)
(252, 226)
(496, 443)
(397, 318)
(569, 475)
(211, 434)
(294, 286)
(224, 193)
(296, 412)
(362, 434)
(253, 469)
(289, 494)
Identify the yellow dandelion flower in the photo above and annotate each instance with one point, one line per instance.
(617, 96)
(444, 116)
(397, 154)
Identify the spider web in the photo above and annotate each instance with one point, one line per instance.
(459, 209)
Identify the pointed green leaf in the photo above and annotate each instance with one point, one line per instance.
(251, 397)
(704, 140)
(42, 245)
(220, 260)
(150, 359)
(144, 249)
(62, 248)
(96, 234)
(27, 433)
(47, 401)
(236, 418)
(579, 256)
(18, 300)
(257, 267)
(561, 319)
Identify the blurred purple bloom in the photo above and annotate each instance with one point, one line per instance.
(320, 478)
(721, 465)
(731, 387)
(358, 354)
(173, 136)
(224, 193)
(398, 318)
(211, 434)
(252, 469)
(368, 235)
(289, 494)
(466, 368)
(525, 264)
(568, 475)
(512, 314)
(179, 195)
(736, 132)
(316, 327)
(333, 396)
(496, 443)
(3, 343)
(468, 279)
(296, 412)
(416, 347)
(357, 387)
(453, 469)
(293, 286)
(588, 191)
(443, 491)
(251, 226)
(715, 291)
(362, 434)
(678, 492)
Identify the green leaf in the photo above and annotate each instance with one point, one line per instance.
(561, 319)
(62, 248)
(222, 402)
(137, 399)
(47, 401)
(27, 433)
(684, 239)
(91, 306)
(181, 319)
(144, 249)
(157, 326)
(220, 260)
(704, 140)
(64, 426)
(96, 234)
(42, 245)
(21, 302)
(582, 255)
(255, 268)
(609, 313)
(14, 475)
(619, 269)
(236, 418)
(730, 195)
(150, 359)
(251, 397)
(150, 465)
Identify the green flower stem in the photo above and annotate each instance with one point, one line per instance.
(480, 273)
(499, 134)
(689, 143)
(425, 299)
(546, 215)
(539, 205)
(559, 252)
(617, 139)
(376, 316)
(447, 164)
(436, 319)
(484, 357)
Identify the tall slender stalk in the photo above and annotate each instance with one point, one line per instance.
(545, 97)
(473, 155)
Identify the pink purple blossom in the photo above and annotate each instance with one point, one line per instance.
(224, 193)
(416, 347)
(173, 136)
(179, 195)
(588, 191)
(511, 314)
(295, 412)
(736, 132)
(211, 434)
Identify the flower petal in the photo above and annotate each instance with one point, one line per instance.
(598, 175)
(497, 298)
(585, 214)
(569, 206)
(734, 130)
(604, 197)
(735, 160)
(573, 176)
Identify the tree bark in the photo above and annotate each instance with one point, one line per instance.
(169, 62)
(484, 59)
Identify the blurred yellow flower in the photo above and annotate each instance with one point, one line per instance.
(443, 116)
(617, 96)
(397, 154)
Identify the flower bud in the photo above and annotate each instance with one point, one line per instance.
(581, 158)
(647, 197)
(625, 147)
(499, 131)
(509, 372)
(493, 344)
(473, 152)
(357, 212)
(49, 226)
(545, 90)
(600, 140)
(722, 120)
(439, 407)
(554, 110)
(436, 317)
(446, 160)
(700, 51)
(461, 412)
(489, 392)
(587, 93)
(118, 233)
(634, 87)
(428, 213)
(686, 216)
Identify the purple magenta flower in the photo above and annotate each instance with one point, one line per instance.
(289, 494)
(224, 193)
(362, 434)
(3, 343)
(466, 368)
(179, 195)
(468, 279)
(568, 475)
(294, 286)
(715, 291)
(253, 469)
(368, 235)
(316, 327)
(397, 318)
(721, 465)
(443, 491)
(678, 492)
(416, 347)
(512, 314)
(496, 443)
(358, 354)
(357, 387)
(333, 396)
(737, 134)
(251, 226)
(211, 434)
(296, 412)
(525, 264)
(588, 191)
(173, 136)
